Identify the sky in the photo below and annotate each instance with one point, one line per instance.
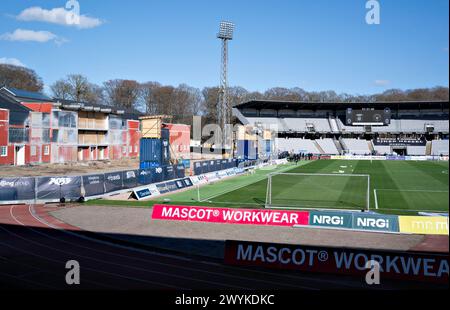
(312, 44)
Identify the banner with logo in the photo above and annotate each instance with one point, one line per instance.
(168, 173)
(171, 186)
(180, 184)
(205, 166)
(145, 177)
(162, 188)
(187, 182)
(230, 215)
(12, 189)
(54, 188)
(198, 168)
(130, 178)
(428, 225)
(330, 219)
(94, 184)
(147, 192)
(375, 222)
(113, 181)
(430, 267)
(179, 171)
(157, 174)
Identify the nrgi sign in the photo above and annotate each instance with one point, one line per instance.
(354, 220)
(331, 219)
(401, 265)
(230, 216)
(375, 222)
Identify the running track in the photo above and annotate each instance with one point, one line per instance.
(34, 248)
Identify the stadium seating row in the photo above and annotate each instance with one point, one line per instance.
(439, 147)
(336, 125)
(354, 146)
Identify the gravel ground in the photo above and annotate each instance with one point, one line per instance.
(135, 224)
(76, 168)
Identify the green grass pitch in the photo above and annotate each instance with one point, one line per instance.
(396, 187)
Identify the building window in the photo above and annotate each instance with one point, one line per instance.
(33, 150)
(3, 151)
(130, 148)
(124, 149)
(46, 149)
(135, 148)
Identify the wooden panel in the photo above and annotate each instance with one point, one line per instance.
(151, 128)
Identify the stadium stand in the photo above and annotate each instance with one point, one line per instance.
(382, 149)
(327, 145)
(268, 122)
(296, 145)
(356, 146)
(416, 150)
(308, 124)
(408, 128)
(439, 147)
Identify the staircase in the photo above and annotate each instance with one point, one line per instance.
(428, 148)
(333, 124)
(342, 143)
(319, 147)
(338, 146)
(370, 146)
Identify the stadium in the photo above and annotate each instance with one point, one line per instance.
(145, 186)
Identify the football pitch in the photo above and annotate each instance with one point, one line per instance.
(395, 187)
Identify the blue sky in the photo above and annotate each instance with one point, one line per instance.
(312, 44)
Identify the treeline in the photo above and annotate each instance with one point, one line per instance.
(184, 100)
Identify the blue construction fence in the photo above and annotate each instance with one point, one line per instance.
(206, 166)
(50, 189)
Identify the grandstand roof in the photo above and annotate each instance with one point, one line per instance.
(297, 105)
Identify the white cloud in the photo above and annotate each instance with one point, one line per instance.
(31, 35)
(382, 82)
(11, 61)
(59, 16)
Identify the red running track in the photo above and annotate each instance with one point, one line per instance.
(35, 246)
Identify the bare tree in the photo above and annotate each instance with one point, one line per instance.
(211, 98)
(76, 87)
(122, 93)
(20, 77)
(61, 89)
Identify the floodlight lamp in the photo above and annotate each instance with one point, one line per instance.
(226, 30)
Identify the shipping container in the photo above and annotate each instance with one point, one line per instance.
(144, 165)
(150, 150)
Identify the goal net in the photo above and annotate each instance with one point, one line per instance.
(318, 191)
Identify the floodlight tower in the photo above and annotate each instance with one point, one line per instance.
(223, 107)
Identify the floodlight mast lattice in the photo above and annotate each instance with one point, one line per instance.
(223, 106)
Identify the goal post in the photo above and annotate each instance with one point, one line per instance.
(318, 191)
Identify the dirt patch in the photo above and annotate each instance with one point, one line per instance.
(135, 224)
(77, 168)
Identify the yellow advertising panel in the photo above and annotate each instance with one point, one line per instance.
(428, 225)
